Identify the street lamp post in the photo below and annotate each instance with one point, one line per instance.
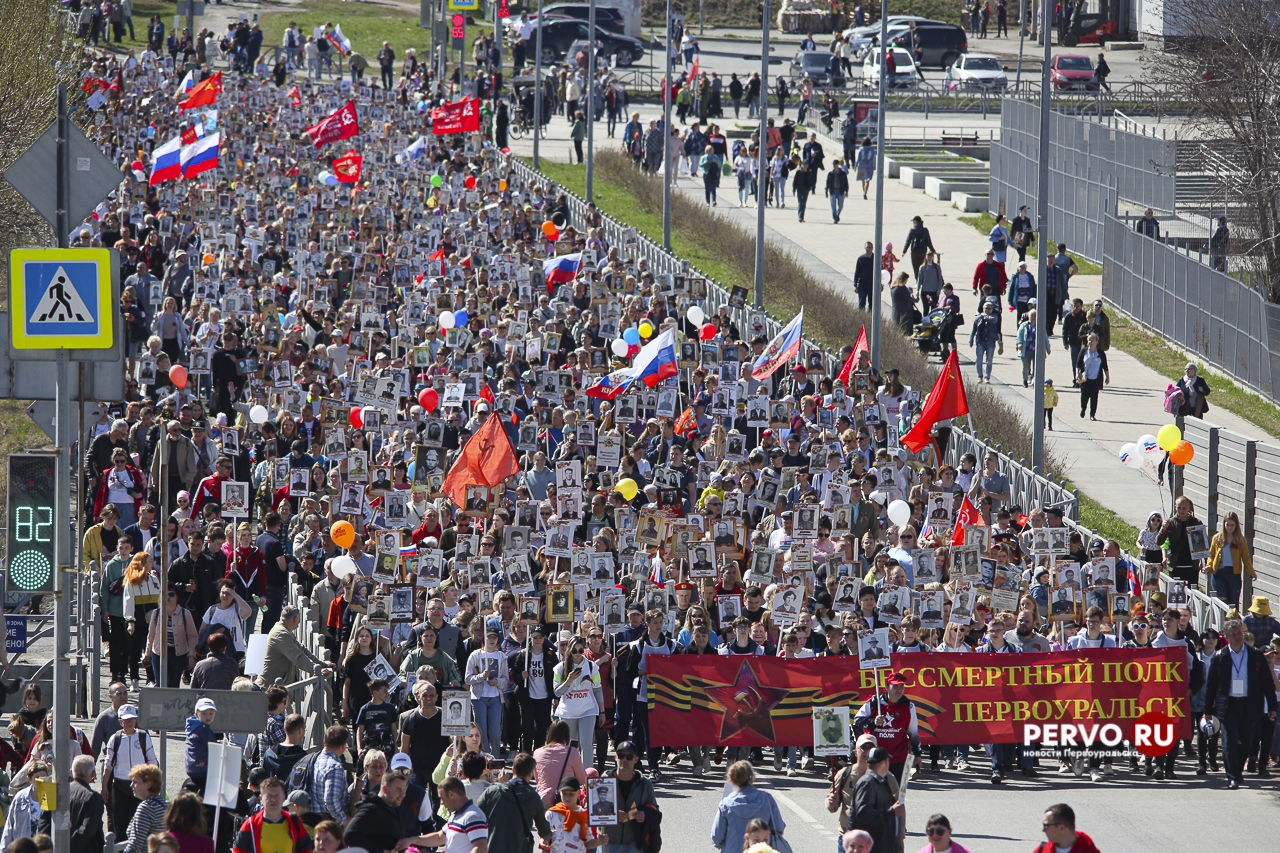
(762, 170)
(537, 87)
(591, 100)
(667, 177)
(877, 283)
(1042, 204)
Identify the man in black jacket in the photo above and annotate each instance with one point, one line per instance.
(85, 808)
(376, 824)
(875, 809)
(531, 670)
(1240, 692)
(864, 274)
(197, 572)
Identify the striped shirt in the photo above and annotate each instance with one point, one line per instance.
(465, 827)
(147, 819)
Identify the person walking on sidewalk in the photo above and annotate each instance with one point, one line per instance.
(1194, 391)
(866, 165)
(1050, 403)
(1027, 331)
(1072, 328)
(930, 283)
(918, 243)
(1091, 375)
(837, 188)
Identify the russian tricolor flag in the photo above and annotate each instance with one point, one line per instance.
(612, 384)
(166, 163)
(784, 347)
(657, 360)
(338, 40)
(563, 268)
(201, 156)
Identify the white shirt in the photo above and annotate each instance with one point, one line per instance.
(231, 619)
(127, 752)
(1239, 672)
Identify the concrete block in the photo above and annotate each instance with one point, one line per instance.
(969, 202)
(941, 187)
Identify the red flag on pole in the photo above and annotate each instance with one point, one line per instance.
(203, 94)
(968, 516)
(347, 167)
(486, 460)
(459, 117)
(341, 125)
(859, 346)
(946, 400)
(294, 95)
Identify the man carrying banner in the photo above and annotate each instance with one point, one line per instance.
(892, 719)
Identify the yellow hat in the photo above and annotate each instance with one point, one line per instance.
(1261, 606)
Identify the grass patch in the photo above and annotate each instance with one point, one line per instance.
(1106, 523)
(725, 251)
(984, 222)
(367, 24)
(1156, 353)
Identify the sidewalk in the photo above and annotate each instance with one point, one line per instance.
(1131, 406)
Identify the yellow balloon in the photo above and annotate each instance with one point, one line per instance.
(627, 488)
(646, 329)
(1168, 437)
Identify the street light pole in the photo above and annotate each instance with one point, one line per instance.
(591, 100)
(537, 87)
(1042, 210)
(762, 169)
(667, 176)
(877, 284)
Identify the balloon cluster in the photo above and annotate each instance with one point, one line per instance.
(1150, 449)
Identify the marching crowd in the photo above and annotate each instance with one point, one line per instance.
(398, 396)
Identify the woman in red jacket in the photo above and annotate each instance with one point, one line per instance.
(247, 569)
(122, 485)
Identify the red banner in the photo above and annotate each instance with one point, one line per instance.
(347, 168)
(459, 117)
(340, 125)
(709, 700)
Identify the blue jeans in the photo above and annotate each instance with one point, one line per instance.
(488, 714)
(1003, 757)
(275, 603)
(961, 752)
(1226, 583)
(987, 350)
(837, 205)
(251, 624)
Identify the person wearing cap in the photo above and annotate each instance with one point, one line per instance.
(199, 734)
(893, 722)
(876, 809)
(272, 828)
(840, 796)
(126, 749)
(174, 462)
(740, 806)
(636, 801)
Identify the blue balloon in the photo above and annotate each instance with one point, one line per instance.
(632, 336)
(460, 317)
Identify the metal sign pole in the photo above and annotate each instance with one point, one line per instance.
(667, 167)
(591, 100)
(61, 523)
(537, 87)
(762, 167)
(877, 285)
(1042, 204)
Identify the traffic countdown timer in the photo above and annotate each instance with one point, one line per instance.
(29, 527)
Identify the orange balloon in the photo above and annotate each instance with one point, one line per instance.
(342, 534)
(550, 230)
(1182, 454)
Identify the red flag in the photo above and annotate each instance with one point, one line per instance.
(486, 393)
(347, 168)
(203, 94)
(189, 135)
(459, 117)
(686, 423)
(968, 516)
(859, 345)
(946, 400)
(486, 460)
(340, 125)
(294, 95)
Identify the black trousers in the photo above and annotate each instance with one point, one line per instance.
(1238, 726)
(121, 807)
(652, 753)
(535, 719)
(1089, 390)
(118, 647)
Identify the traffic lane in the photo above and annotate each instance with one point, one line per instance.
(1118, 814)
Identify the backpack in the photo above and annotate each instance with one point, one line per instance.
(303, 773)
(1173, 399)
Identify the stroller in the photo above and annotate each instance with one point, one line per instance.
(927, 334)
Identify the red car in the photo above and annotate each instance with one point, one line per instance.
(1072, 71)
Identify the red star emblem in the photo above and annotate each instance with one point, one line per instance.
(747, 704)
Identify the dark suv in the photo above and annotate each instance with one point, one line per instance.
(935, 45)
(606, 17)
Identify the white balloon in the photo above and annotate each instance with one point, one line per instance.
(446, 320)
(899, 512)
(619, 347)
(1131, 455)
(694, 315)
(259, 414)
(1150, 448)
(884, 276)
(343, 566)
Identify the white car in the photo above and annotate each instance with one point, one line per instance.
(905, 73)
(894, 21)
(976, 71)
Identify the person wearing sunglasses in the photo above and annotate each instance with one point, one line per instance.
(635, 800)
(938, 831)
(1059, 826)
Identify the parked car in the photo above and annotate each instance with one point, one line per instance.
(905, 73)
(894, 21)
(976, 71)
(1073, 72)
(820, 66)
(559, 34)
(606, 17)
(940, 45)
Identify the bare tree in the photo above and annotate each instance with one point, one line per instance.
(39, 53)
(1223, 58)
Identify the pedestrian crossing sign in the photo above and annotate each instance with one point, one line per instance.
(62, 298)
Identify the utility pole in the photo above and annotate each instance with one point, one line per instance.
(877, 283)
(667, 176)
(762, 171)
(1042, 210)
(537, 87)
(1022, 39)
(591, 100)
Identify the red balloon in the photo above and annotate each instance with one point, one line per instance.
(429, 399)
(708, 331)
(470, 182)
(632, 350)
(355, 418)
(178, 376)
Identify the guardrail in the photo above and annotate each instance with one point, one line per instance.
(312, 692)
